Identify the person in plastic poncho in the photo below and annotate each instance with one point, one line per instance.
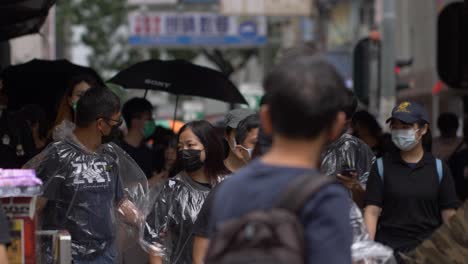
(348, 158)
(85, 181)
(200, 156)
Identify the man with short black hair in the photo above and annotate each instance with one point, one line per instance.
(138, 115)
(304, 112)
(83, 182)
(349, 158)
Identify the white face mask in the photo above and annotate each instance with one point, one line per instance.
(249, 151)
(404, 139)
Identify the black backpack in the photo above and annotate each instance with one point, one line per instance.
(267, 236)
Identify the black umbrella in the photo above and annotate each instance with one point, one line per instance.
(41, 82)
(179, 77)
(22, 17)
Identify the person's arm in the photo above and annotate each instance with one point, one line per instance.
(3, 254)
(200, 246)
(448, 200)
(155, 259)
(371, 217)
(373, 201)
(447, 214)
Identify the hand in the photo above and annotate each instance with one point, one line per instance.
(351, 183)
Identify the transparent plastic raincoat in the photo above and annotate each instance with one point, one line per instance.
(89, 193)
(348, 152)
(175, 211)
(364, 250)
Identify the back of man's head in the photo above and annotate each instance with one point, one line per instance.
(245, 126)
(97, 102)
(135, 108)
(304, 96)
(448, 124)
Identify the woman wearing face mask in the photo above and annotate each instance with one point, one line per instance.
(409, 193)
(77, 86)
(200, 158)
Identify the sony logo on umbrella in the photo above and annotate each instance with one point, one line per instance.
(157, 83)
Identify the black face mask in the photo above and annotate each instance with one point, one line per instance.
(190, 159)
(113, 135)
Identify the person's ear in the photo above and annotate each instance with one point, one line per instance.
(424, 129)
(337, 127)
(265, 119)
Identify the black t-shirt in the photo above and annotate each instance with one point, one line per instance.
(411, 200)
(4, 228)
(201, 226)
(459, 167)
(144, 157)
(82, 190)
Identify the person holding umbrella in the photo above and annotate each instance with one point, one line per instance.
(200, 159)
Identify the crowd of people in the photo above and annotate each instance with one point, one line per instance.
(137, 193)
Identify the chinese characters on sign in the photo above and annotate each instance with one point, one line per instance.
(196, 29)
(267, 7)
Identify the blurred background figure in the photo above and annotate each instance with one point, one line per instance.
(75, 89)
(366, 127)
(138, 115)
(233, 162)
(448, 143)
(459, 165)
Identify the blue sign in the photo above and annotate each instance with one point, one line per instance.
(196, 29)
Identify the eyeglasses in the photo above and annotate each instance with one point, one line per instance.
(118, 122)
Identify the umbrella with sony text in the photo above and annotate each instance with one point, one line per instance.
(179, 77)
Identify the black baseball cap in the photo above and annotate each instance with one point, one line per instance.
(409, 112)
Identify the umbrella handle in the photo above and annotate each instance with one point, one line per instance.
(175, 113)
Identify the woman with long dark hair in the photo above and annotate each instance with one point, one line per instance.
(409, 193)
(200, 162)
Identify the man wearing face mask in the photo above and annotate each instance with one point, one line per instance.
(138, 115)
(83, 177)
(409, 193)
(233, 162)
(246, 137)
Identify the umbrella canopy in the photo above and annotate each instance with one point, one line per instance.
(22, 17)
(41, 82)
(179, 77)
(174, 125)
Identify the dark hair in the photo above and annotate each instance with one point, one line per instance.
(365, 119)
(245, 126)
(350, 104)
(214, 163)
(448, 124)
(97, 102)
(64, 110)
(134, 108)
(304, 96)
(427, 138)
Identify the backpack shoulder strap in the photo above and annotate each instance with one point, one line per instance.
(300, 190)
(380, 168)
(440, 169)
